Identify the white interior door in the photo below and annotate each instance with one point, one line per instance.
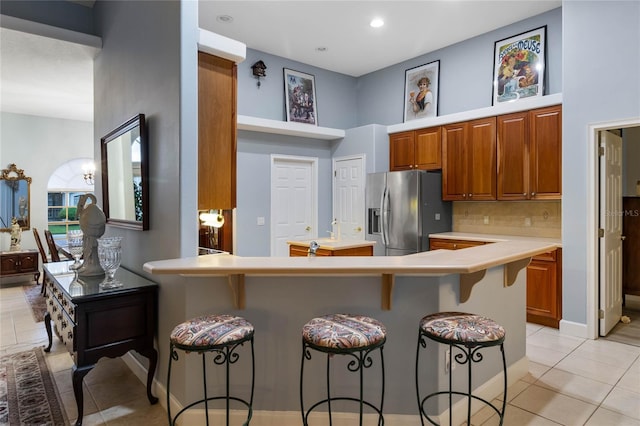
(348, 197)
(294, 201)
(611, 223)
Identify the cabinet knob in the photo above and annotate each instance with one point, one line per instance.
(464, 195)
(524, 194)
(470, 195)
(455, 246)
(533, 194)
(623, 237)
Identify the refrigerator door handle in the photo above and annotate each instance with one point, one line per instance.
(384, 202)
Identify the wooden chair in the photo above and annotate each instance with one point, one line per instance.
(43, 254)
(54, 250)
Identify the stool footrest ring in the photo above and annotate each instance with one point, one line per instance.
(213, 398)
(325, 401)
(466, 395)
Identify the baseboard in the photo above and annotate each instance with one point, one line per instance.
(489, 391)
(574, 329)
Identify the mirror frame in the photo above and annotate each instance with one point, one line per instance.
(13, 173)
(136, 121)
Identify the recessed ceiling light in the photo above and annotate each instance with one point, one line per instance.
(376, 23)
(321, 49)
(224, 18)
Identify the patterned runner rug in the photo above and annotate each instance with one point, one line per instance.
(36, 300)
(28, 395)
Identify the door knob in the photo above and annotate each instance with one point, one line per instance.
(308, 228)
(358, 229)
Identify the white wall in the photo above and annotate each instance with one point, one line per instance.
(39, 145)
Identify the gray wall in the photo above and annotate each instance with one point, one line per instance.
(466, 72)
(594, 33)
(144, 68)
(336, 93)
(58, 13)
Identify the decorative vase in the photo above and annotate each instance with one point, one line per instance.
(75, 243)
(110, 255)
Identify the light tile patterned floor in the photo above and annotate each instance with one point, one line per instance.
(571, 381)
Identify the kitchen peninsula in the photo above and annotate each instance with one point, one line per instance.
(280, 294)
(332, 247)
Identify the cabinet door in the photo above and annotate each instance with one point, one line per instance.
(513, 157)
(541, 289)
(401, 151)
(9, 264)
(216, 133)
(545, 153)
(481, 149)
(28, 262)
(428, 149)
(454, 162)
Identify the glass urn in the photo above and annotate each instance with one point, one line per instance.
(110, 255)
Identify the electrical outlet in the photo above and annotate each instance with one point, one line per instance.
(527, 221)
(486, 220)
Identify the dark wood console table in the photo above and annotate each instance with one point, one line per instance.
(94, 323)
(20, 262)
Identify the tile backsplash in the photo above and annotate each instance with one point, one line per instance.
(527, 218)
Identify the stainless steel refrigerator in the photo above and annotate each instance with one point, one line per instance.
(403, 208)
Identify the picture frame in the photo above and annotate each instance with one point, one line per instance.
(418, 103)
(519, 64)
(300, 97)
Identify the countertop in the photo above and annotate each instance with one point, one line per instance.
(494, 238)
(438, 262)
(329, 244)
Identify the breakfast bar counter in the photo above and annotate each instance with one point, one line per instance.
(280, 294)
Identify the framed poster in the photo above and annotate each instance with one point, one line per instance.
(421, 91)
(300, 97)
(519, 66)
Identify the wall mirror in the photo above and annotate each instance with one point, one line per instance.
(15, 191)
(125, 177)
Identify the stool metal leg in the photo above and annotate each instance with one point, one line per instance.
(329, 388)
(504, 396)
(172, 354)
(204, 382)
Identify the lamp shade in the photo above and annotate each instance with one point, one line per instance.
(212, 218)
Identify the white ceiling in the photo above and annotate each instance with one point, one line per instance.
(53, 78)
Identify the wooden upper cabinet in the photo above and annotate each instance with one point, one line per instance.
(402, 151)
(545, 153)
(469, 160)
(530, 155)
(217, 146)
(416, 149)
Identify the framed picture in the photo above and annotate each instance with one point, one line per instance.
(519, 66)
(300, 97)
(421, 91)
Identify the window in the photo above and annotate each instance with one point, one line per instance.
(61, 211)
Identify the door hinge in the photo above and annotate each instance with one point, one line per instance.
(601, 151)
(601, 233)
(601, 314)
(335, 173)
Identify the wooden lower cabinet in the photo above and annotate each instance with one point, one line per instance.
(447, 244)
(303, 251)
(544, 281)
(19, 263)
(544, 289)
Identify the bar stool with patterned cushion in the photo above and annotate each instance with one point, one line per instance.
(468, 333)
(340, 334)
(221, 334)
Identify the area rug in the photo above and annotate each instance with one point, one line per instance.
(28, 395)
(36, 301)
